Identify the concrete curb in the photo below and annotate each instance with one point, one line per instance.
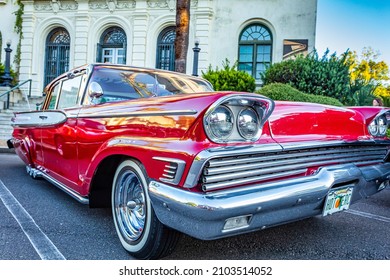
(6, 150)
(4, 147)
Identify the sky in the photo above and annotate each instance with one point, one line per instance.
(353, 25)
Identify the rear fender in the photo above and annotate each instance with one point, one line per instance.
(23, 148)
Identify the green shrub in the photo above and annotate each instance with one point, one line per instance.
(1, 72)
(327, 76)
(229, 78)
(278, 91)
(363, 95)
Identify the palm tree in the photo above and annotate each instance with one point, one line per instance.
(182, 31)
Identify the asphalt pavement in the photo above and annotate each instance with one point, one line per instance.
(39, 221)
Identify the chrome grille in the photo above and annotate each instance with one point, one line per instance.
(232, 171)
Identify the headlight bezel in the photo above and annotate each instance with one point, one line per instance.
(379, 125)
(260, 105)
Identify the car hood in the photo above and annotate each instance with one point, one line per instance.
(296, 122)
(289, 122)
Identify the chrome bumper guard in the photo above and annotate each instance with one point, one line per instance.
(203, 215)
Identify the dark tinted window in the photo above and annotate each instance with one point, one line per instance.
(122, 84)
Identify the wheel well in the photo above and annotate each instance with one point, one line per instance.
(101, 185)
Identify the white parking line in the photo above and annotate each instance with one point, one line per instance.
(42, 244)
(368, 215)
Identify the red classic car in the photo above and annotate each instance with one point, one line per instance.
(170, 155)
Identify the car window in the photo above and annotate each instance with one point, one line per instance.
(53, 96)
(69, 92)
(122, 84)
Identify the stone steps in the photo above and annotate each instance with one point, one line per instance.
(5, 125)
(6, 116)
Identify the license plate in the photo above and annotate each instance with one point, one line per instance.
(337, 200)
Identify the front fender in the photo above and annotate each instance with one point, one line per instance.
(153, 154)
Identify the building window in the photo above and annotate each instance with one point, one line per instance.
(255, 50)
(112, 46)
(57, 54)
(166, 49)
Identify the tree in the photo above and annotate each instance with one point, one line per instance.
(367, 76)
(182, 32)
(367, 69)
(383, 92)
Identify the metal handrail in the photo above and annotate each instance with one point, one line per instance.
(16, 87)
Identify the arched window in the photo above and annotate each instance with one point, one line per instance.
(255, 50)
(57, 54)
(165, 58)
(112, 46)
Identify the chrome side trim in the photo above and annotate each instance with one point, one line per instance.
(72, 193)
(173, 170)
(318, 144)
(138, 114)
(38, 119)
(38, 173)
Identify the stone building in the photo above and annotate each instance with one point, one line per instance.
(61, 34)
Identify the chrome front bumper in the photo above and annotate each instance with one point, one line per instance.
(203, 215)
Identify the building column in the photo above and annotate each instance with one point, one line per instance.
(26, 58)
(140, 28)
(203, 15)
(82, 22)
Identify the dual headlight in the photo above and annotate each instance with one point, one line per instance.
(222, 121)
(235, 121)
(378, 127)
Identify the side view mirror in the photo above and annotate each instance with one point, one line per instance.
(95, 91)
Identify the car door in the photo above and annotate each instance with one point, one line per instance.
(28, 129)
(59, 136)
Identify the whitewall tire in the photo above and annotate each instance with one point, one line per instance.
(137, 226)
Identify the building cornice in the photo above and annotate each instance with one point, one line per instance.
(167, 4)
(112, 5)
(55, 5)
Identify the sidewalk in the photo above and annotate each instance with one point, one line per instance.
(4, 148)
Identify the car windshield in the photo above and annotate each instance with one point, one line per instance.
(124, 84)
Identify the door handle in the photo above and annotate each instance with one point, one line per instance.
(43, 117)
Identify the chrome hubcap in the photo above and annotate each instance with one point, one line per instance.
(130, 205)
